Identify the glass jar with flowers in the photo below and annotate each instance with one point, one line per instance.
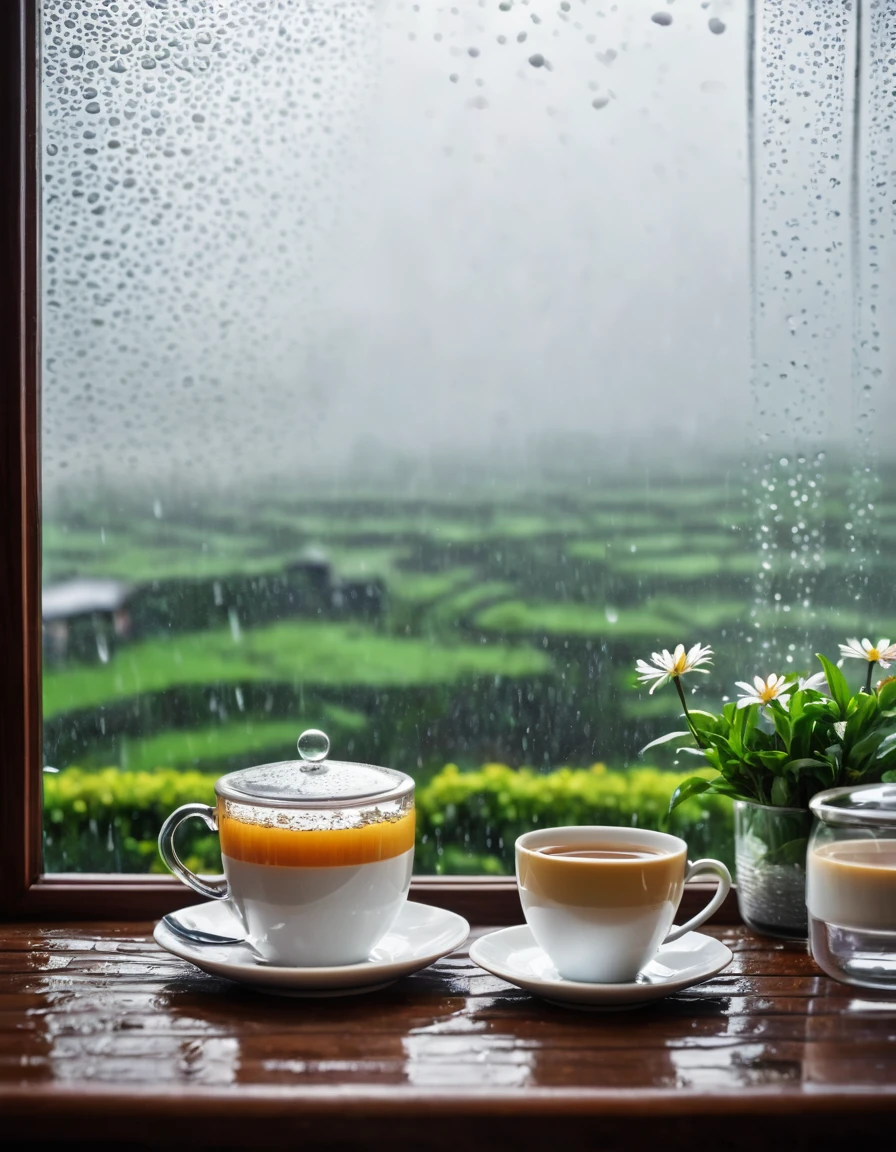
(784, 739)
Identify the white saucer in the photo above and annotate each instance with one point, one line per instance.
(513, 955)
(420, 936)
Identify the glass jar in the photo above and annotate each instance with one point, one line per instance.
(770, 866)
(851, 884)
(317, 854)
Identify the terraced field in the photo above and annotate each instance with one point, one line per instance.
(493, 629)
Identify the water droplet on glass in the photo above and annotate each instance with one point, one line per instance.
(717, 26)
(661, 18)
(313, 745)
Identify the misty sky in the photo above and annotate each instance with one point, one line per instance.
(312, 239)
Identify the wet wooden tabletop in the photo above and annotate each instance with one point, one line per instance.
(105, 1038)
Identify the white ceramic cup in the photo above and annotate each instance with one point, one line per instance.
(602, 921)
(301, 916)
(318, 917)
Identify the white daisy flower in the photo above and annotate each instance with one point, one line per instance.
(883, 653)
(668, 666)
(764, 691)
(817, 683)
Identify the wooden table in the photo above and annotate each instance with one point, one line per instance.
(105, 1039)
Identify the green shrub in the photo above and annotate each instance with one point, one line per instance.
(484, 811)
(108, 820)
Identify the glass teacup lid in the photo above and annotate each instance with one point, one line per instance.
(857, 805)
(314, 781)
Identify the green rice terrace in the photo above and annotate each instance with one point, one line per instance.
(485, 646)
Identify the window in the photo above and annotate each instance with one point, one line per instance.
(396, 380)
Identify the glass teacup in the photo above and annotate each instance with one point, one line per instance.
(317, 855)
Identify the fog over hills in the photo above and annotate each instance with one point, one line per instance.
(314, 241)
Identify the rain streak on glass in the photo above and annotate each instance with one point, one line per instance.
(874, 287)
(819, 107)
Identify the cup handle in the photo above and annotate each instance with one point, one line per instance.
(213, 889)
(721, 892)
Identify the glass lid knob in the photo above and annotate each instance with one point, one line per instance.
(313, 746)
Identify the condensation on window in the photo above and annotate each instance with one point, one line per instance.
(398, 382)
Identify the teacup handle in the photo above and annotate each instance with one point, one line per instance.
(721, 892)
(212, 890)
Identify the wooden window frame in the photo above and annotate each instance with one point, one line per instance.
(25, 891)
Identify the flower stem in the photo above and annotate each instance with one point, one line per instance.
(687, 714)
(871, 664)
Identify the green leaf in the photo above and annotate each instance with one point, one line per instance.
(736, 730)
(664, 740)
(721, 787)
(820, 710)
(863, 714)
(889, 777)
(864, 748)
(713, 758)
(772, 760)
(792, 852)
(718, 741)
(751, 719)
(837, 683)
(886, 697)
(782, 722)
(693, 786)
(801, 736)
(825, 774)
(806, 764)
(782, 792)
(887, 747)
(703, 721)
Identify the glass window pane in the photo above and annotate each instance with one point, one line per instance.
(397, 381)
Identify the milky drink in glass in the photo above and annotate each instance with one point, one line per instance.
(851, 884)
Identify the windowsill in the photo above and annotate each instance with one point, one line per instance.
(110, 1040)
(480, 899)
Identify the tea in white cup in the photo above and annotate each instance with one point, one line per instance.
(600, 900)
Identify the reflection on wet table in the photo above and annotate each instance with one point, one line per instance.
(100, 1010)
